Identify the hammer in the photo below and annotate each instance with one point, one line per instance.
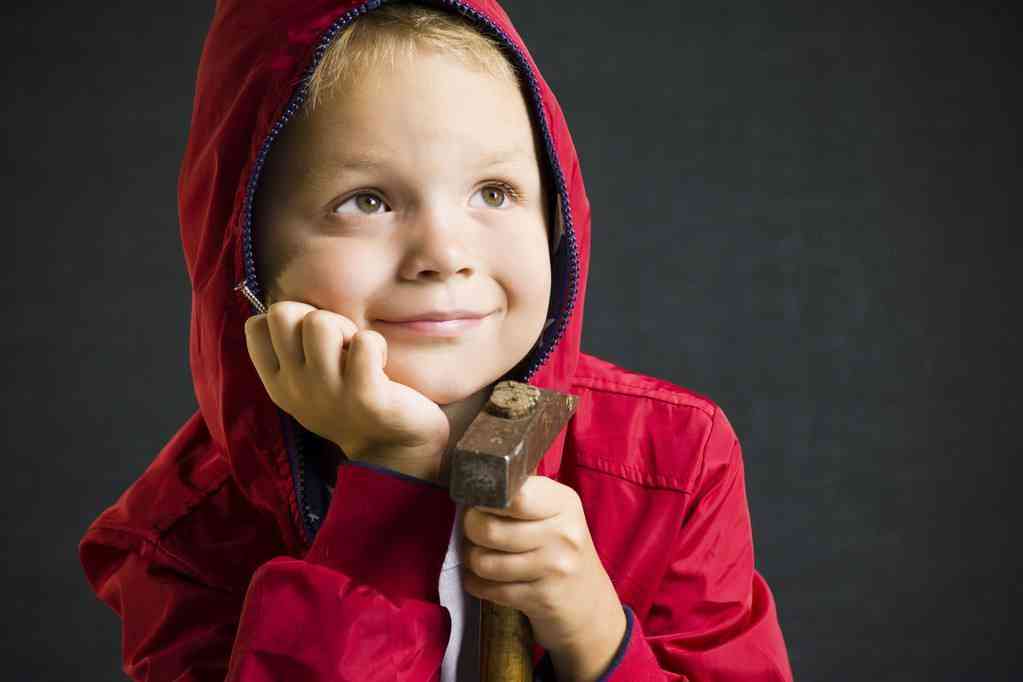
(493, 458)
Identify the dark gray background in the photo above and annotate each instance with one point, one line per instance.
(807, 214)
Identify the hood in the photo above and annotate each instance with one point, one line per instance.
(250, 83)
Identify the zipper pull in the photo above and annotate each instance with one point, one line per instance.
(244, 288)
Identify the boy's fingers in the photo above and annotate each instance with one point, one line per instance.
(364, 366)
(285, 321)
(323, 336)
(261, 350)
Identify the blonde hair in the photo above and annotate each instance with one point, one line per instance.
(394, 32)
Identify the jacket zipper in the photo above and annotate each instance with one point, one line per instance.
(250, 288)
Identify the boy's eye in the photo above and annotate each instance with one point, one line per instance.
(369, 203)
(496, 196)
(365, 203)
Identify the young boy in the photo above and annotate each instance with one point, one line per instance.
(392, 189)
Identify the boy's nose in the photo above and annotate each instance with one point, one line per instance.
(437, 247)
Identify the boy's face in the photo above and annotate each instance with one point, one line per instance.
(397, 197)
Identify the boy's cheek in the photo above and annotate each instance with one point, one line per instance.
(326, 282)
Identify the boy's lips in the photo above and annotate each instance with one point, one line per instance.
(439, 316)
(441, 327)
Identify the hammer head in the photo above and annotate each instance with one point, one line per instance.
(505, 442)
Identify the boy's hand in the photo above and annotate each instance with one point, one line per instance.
(320, 368)
(537, 556)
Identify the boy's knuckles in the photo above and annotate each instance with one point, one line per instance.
(563, 565)
(277, 314)
(320, 322)
(255, 324)
(289, 309)
(370, 337)
(480, 563)
(484, 533)
(342, 323)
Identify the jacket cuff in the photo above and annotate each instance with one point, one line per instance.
(633, 661)
(379, 523)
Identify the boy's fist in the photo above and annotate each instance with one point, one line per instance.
(319, 367)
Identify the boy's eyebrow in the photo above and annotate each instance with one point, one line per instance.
(327, 171)
(356, 162)
(369, 162)
(503, 156)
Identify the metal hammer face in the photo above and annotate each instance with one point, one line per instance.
(505, 442)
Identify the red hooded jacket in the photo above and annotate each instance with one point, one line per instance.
(227, 559)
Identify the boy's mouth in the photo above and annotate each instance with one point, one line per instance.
(440, 316)
(436, 323)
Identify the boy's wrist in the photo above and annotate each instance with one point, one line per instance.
(419, 463)
(588, 659)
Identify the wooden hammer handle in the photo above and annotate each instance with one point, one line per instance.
(506, 644)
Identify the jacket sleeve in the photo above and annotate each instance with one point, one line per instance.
(713, 617)
(361, 605)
